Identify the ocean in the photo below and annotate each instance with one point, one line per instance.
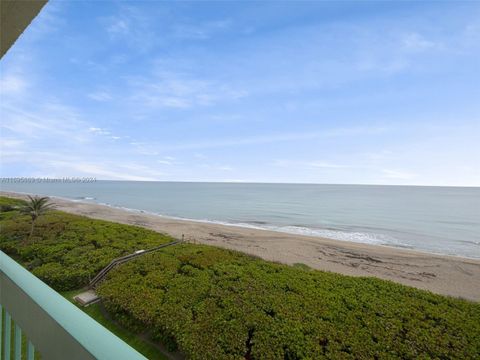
(441, 220)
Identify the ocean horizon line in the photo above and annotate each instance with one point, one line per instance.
(247, 182)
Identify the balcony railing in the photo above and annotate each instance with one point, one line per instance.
(35, 318)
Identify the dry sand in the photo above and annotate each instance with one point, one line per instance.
(448, 275)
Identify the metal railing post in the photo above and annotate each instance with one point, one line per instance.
(6, 336)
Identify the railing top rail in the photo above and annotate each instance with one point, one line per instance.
(92, 336)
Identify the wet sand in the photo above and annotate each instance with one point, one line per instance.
(448, 275)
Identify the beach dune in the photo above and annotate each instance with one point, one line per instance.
(447, 275)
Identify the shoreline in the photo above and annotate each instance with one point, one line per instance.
(243, 225)
(444, 274)
(257, 227)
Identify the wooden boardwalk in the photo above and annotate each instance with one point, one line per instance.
(115, 262)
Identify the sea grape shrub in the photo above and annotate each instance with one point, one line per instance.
(61, 278)
(219, 304)
(68, 250)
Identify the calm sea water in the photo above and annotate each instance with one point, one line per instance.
(443, 220)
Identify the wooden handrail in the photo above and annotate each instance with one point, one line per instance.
(120, 260)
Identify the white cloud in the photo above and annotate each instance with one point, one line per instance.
(132, 27)
(276, 137)
(46, 121)
(100, 96)
(398, 174)
(416, 42)
(216, 167)
(308, 164)
(143, 148)
(98, 131)
(12, 85)
(168, 160)
(118, 26)
(326, 165)
(201, 31)
(226, 168)
(101, 171)
(11, 144)
(199, 156)
(103, 132)
(392, 65)
(179, 90)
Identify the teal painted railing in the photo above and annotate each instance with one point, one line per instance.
(36, 319)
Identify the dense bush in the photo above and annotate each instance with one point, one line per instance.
(7, 206)
(218, 304)
(67, 250)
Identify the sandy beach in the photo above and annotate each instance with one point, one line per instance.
(448, 275)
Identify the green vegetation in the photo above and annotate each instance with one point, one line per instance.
(7, 205)
(219, 304)
(68, 250)
(131, 338)
(212, 303)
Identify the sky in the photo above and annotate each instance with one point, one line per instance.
(294, 92)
